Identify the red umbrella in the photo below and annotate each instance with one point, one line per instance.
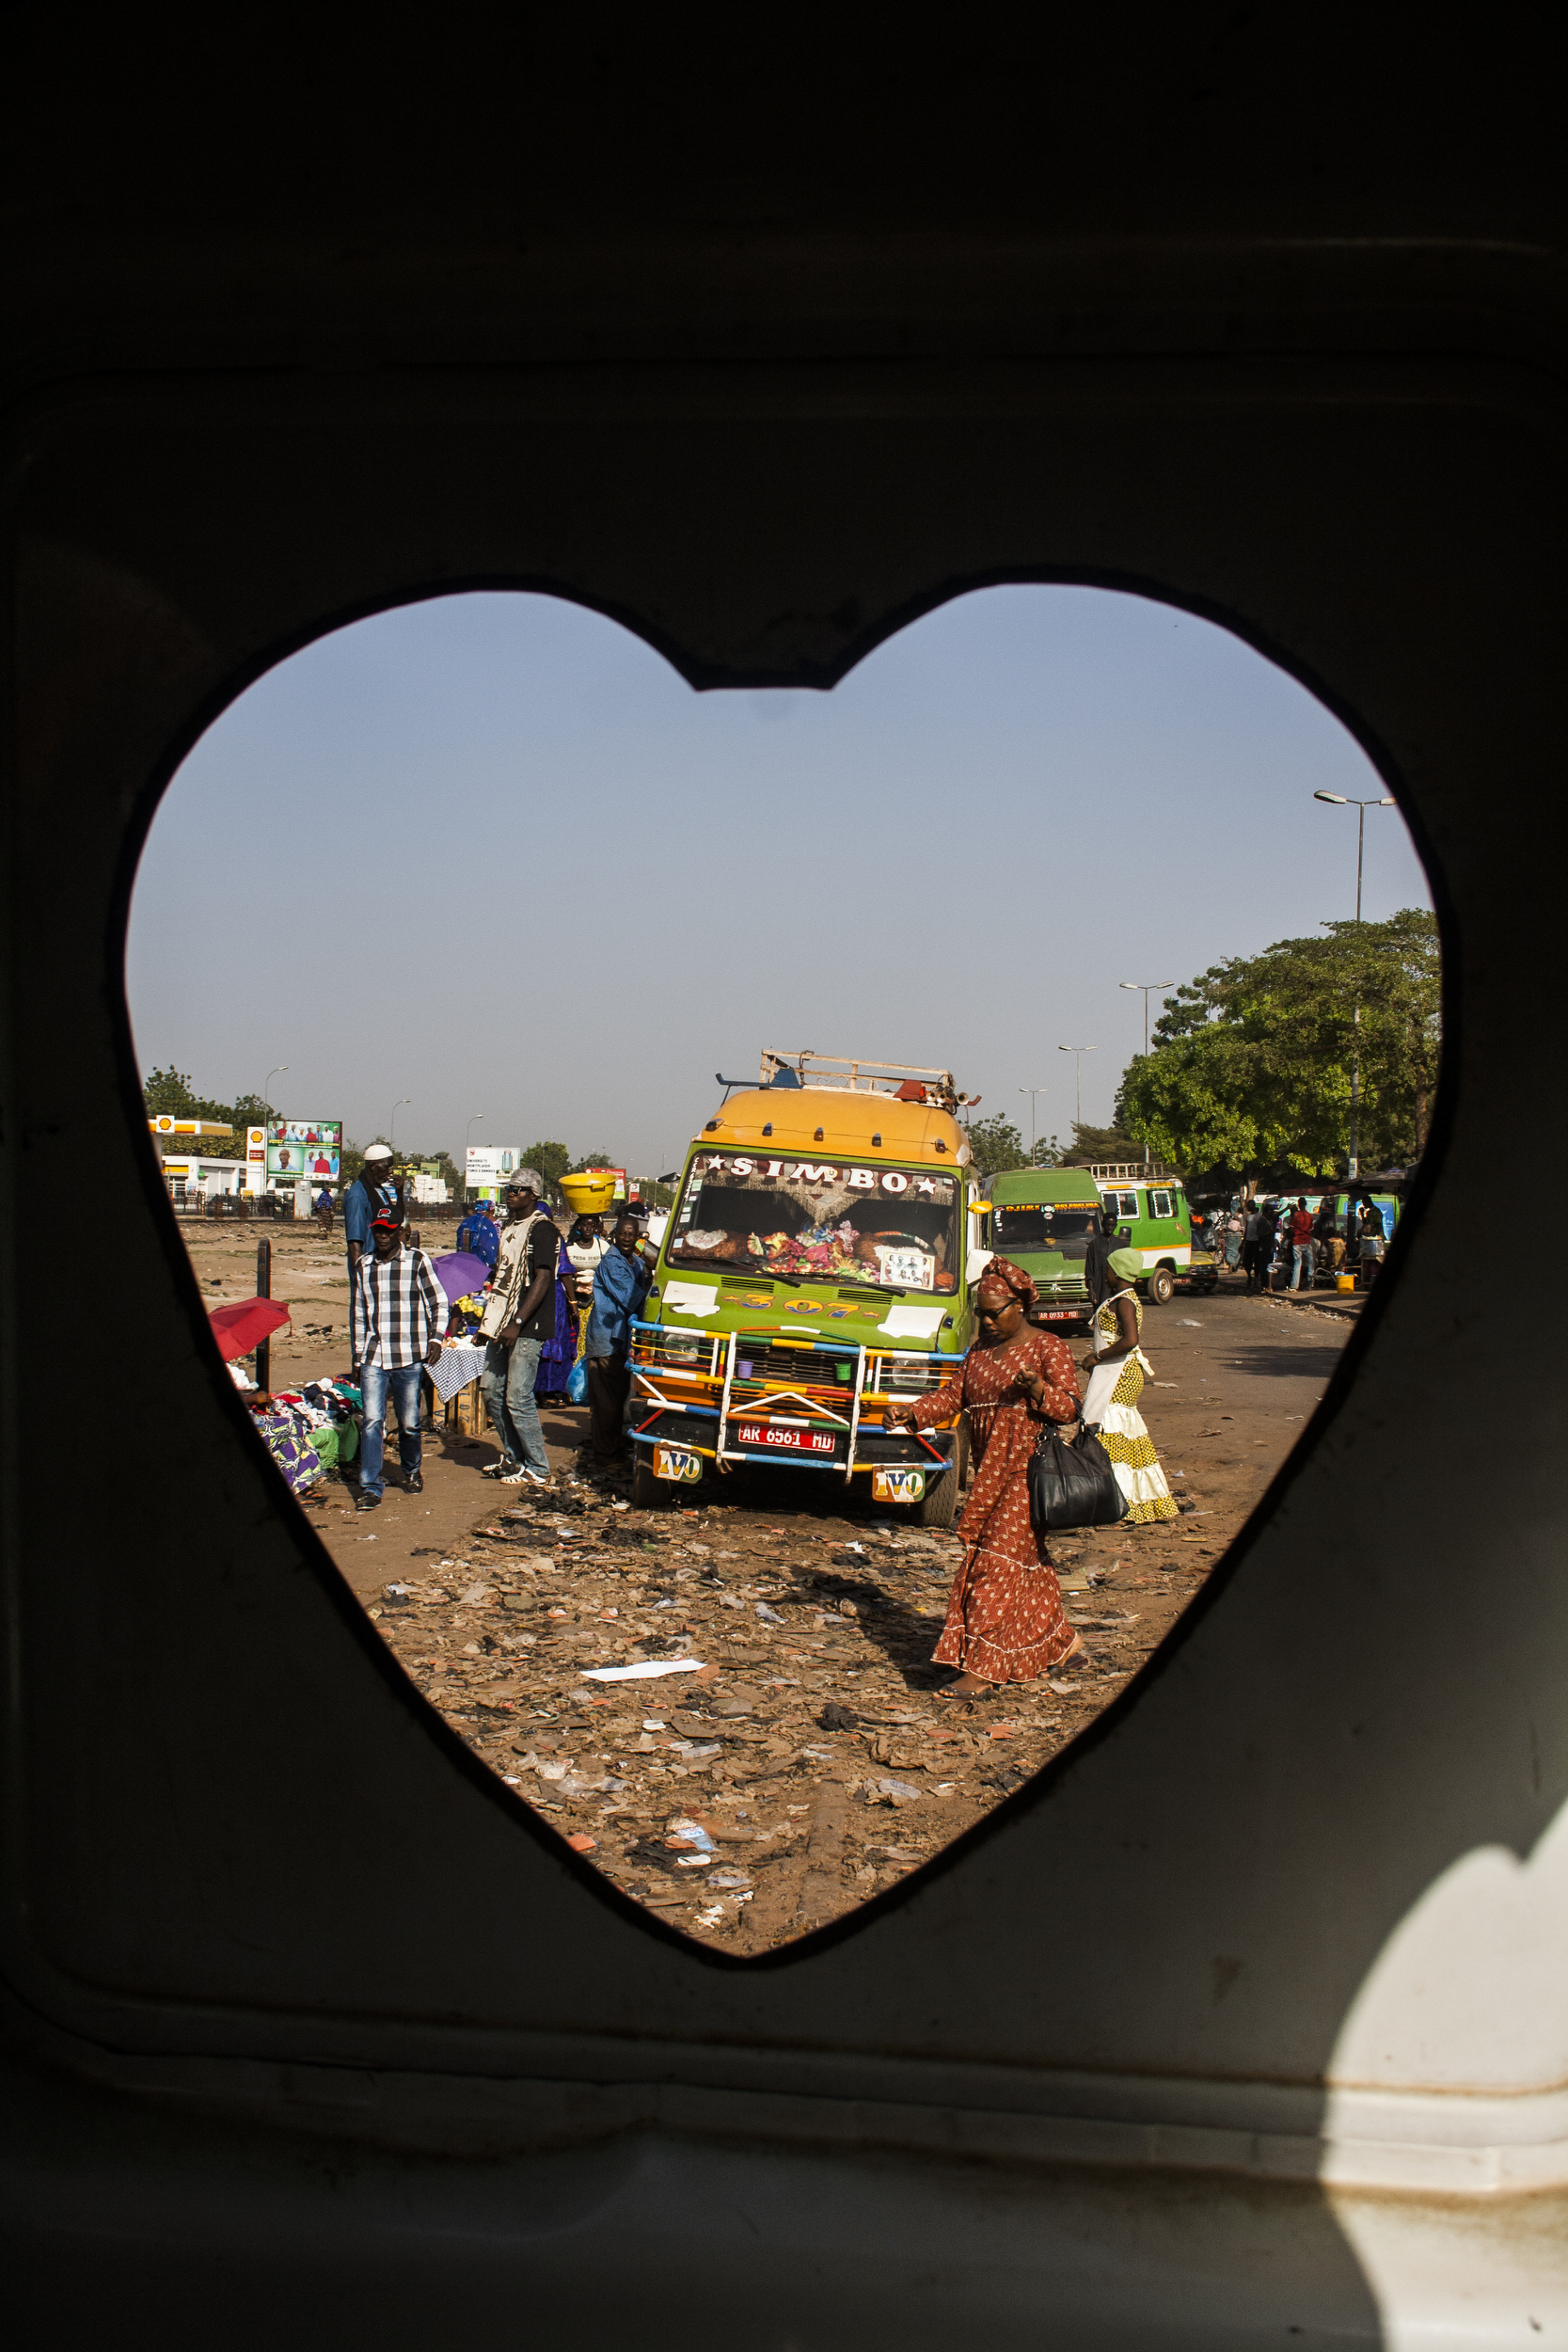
(241, 1326)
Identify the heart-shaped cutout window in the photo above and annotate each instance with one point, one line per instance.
(712, 1535)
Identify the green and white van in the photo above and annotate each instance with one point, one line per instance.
(1042, 1218)
(1153, 1218)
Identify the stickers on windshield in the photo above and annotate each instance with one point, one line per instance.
(907, 1269)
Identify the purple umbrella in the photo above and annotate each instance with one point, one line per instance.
(461, 1273)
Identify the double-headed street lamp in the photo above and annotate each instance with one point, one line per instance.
(1033, 1093)
(1343, 800)
(1346, 799)
(1148, 988)
(1078, 1052)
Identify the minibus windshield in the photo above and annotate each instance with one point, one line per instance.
(1043, 1225)
(894, 1228)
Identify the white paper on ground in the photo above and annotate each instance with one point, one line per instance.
(644, 1672)
(692, 1299)
(912, 1323)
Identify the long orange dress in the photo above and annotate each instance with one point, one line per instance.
(1005, 1622)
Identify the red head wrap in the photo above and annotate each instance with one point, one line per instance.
(1004, 1281)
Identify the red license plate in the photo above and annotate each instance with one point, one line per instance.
(762, 1433)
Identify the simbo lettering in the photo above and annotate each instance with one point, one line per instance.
(864, 1178)
(803, 1174)
(893, 1181)
(742, 1167)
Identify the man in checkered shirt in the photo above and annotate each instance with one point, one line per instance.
(397, 1316)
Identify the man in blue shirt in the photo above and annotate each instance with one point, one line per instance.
(620, 1290)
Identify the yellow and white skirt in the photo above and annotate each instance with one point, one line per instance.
(1111, 1401)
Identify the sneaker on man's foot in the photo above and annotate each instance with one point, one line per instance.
(367, 1502)
(413, 1484)
(514, 1476)
(498, 1470)
(535, 1478)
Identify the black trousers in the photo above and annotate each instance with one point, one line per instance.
(609, 1387)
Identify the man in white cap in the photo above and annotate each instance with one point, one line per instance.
(372, 1192)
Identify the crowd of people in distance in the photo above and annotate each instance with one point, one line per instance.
(549, 1303)
(1281, 1245)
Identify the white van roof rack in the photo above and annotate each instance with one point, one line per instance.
(808, 1068)
(1131, 1172)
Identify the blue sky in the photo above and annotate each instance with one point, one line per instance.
(510, 863)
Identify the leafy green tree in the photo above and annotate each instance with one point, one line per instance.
(1092, 1145)
(996, 1145)
(589, 1160)
(1250, 1066)
(552, 1160)
(168, 1093)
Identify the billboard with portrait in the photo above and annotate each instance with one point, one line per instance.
(319, 1163)
(304, 1149)
(307, 1131)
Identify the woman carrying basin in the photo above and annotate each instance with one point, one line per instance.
(1005, 1622)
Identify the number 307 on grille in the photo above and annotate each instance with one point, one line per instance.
(785, 1440)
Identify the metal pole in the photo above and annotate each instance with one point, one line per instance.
(1343, 800)
(1078, 1052)
(263, 1290)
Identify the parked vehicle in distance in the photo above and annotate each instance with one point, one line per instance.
(1152, 1218)
(1042, 1218)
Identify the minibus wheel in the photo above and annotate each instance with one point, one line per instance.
(939, 1505)
(1162, 1285)
(647, 1492)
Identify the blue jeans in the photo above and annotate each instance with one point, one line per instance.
(403, 1382)
(1304, 1265)
(507, 1385)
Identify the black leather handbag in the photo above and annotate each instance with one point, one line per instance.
(1072, 1485)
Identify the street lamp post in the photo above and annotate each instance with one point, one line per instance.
(266, 1082)
(393, 1132)
(467, 1132)
(1078, 1052)
(1148, 988)
(1033, 1093)
(1346, 799)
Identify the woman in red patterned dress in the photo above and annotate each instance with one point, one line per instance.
(1004, 1618)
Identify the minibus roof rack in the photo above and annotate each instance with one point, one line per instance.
(1131, 1172)
(807, 1067)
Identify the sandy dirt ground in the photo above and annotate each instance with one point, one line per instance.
(809, 1763)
